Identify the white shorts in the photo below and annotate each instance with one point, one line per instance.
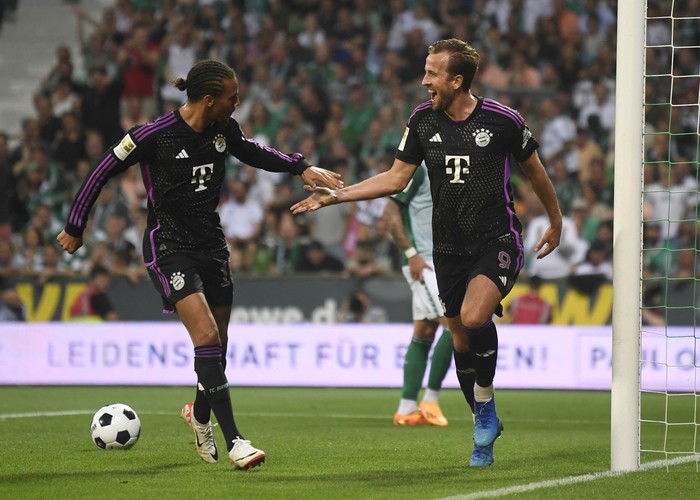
(426, 300)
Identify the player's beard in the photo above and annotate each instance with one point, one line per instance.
(442, 100)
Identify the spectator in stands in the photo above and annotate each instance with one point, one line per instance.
(314, 259)
(11, 307)
(363, 263)
(530, 308)
(93, 304)
(358, 116)
(595, 270)
(39, 181)
(587, 151)
(96, 47)
(46, 222)
(598, 116)
(7, 187)
(7, 258)
(558, 136)
(241, 217)
(656, 254)
(133, 113)
(567, 189)
(560, 263)
(522, 74)
(52, 265)
(61, 69)
(670, 199)
(358, 308)
(63, 98)
(100, 105)
(277, 102)
(288, 246)
(598, 210)
(180, 49)
(653, 299)
(49, 123)
(29, 254)
(138, 59)
(69, 145)
(681, 289)
(109, 202)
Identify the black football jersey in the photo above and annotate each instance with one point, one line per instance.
(183, 172)
(469, 165)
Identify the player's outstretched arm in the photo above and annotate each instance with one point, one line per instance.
(392, 181)
(316, 175)
(544, 189)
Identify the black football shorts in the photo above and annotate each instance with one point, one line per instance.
(498, 262)
(179, 275)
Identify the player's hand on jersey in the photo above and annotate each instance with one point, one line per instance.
(416, 264)
(321, 197)
(69, 243)
(549, 241)
(312, 176)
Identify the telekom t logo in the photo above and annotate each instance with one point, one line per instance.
(457, 166)
(201, 173)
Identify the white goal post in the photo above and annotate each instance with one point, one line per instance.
(626, 322)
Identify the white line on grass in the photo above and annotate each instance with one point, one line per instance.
(5, 416)
(63, 413)
(565, 481)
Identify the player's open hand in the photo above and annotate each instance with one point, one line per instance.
(321, 197)
(69, 243)
(549, 241)
(312, 176)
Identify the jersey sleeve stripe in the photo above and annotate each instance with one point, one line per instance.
(420, 107)
(90, 191)
(279, 154)
(160, 123)
(496, 107)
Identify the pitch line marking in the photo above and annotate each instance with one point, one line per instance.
(63, 413)
(565, 481)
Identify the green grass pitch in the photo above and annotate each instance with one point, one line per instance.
(320, 444)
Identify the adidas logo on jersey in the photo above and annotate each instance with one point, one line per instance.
(182, 154)
(436, 138)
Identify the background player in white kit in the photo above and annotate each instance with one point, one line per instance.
(409, 216)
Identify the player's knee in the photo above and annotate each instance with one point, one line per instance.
(473, 320)
(208, 335)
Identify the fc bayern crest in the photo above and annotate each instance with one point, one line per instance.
(177, 280)
(482, 137)
(220, 143)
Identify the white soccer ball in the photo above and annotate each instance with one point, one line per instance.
(115, 426)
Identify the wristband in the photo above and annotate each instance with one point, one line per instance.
(410, 252)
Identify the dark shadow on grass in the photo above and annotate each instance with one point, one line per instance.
(91, 475)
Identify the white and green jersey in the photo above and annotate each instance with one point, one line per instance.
(417, 213)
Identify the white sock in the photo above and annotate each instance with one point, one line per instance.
(483, 394)
(431, 396)
(407, 406)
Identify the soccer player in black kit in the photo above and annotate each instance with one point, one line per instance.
(467, 142)
(181, 155)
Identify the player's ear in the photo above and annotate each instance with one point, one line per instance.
(208, 101)
(457, 82)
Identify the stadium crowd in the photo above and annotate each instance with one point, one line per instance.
(337, 80)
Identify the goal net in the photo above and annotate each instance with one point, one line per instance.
(655, 403)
